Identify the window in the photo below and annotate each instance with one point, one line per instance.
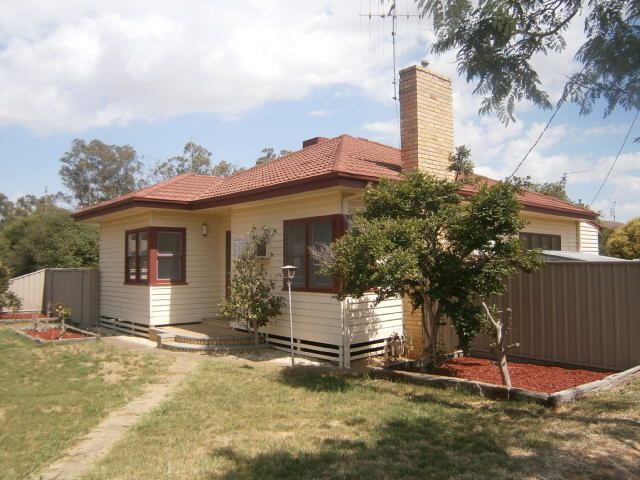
(300, 236)
(532, 241)
(155, 256)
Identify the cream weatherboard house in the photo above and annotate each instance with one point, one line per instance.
(166, 251)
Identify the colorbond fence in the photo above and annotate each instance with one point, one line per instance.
(576, 313)
(77, 288)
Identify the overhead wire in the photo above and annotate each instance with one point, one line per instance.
(613, 164)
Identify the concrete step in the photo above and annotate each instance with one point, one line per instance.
(186, 347)
(228, 341)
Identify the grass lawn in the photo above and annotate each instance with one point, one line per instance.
(238, 421)
(50, 395)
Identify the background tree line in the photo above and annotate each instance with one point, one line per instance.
(38, 232)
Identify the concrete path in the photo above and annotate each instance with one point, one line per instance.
(80, 458)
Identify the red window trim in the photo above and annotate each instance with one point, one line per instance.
(152, 257)
(338, 229)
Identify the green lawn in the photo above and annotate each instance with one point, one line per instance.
(50, 395)
(234, 421)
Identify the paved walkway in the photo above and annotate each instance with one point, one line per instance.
(80, 458)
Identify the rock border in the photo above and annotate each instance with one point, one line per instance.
(500, 392)
(89, 336)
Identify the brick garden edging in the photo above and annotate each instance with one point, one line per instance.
(500, 392)
(89, 336)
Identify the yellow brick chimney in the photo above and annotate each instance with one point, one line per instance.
(426, 121)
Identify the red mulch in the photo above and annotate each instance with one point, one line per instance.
(19, 316)
(53, 334)
(539, 378)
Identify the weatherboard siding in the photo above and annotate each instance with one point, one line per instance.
(199, 297)
(566, 228)
(589, 238)
(318, 316)
(117, 300)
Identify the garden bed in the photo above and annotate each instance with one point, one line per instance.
(536, 377)
(8, 318)
(545, 384)
(52, 334)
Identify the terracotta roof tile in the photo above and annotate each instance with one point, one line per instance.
(343, 156)
(183, 188)
(535, 200)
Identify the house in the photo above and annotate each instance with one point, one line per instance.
(166, 251)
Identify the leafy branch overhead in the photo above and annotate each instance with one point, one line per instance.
(496, 41)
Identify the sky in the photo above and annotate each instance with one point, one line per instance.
(240, 76)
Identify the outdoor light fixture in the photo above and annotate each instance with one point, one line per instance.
(288, 272)
(205, 229)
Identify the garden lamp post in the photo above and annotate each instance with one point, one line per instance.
(288, 272)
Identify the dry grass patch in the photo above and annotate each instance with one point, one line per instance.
(50, 395)
(232, 422)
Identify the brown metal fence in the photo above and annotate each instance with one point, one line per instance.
(77, 288)
(575, 313)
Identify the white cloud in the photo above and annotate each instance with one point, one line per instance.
(98, 64)
(387, 131)
(319, 113)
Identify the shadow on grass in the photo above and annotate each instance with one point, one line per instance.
(315, 379)
(452, 439)
(457, 446)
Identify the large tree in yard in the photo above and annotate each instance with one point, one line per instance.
(495, 42)
(96, 171)
(624, 242)
(417, 238)
(194, 159)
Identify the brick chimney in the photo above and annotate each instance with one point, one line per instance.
(426, 121)
(313, 141)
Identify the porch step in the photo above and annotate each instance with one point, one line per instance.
(187, 347)
(226, 341)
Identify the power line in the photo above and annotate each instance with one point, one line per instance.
(617, 156)
(537, 140)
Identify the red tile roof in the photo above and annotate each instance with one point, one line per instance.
(353, 157)
(534, 200)
(343, 157)
(182, 189)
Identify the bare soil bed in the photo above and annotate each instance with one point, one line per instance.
(539, 378)
(53, 334)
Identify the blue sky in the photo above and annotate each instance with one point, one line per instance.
(240, 76)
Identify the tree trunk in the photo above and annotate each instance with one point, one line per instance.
(430, 327)
(256, 337)
(500, 330)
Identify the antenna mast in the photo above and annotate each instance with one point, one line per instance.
(393, 14)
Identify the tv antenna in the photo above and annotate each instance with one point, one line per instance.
(393, 15)
(563, 178)
(612, 210)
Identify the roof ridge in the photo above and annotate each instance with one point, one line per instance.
(538, 194)
(372, 141)
(338, 157)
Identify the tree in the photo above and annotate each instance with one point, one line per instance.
(499, 329)
(496, 41)
(48, 240)
(95, 171)
(8, 299)
(416, 238)
(551, 189)
(251, 301)
(269, 154)
(624, 242)
(195, 159)
(26, 205)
